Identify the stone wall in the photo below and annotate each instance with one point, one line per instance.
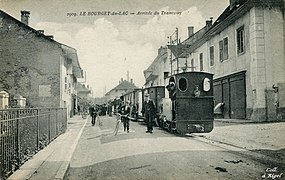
(30, 64)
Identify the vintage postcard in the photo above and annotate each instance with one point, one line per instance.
(132, 89)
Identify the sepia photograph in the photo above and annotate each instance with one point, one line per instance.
(142, 89)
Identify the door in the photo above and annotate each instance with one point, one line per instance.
(237, 97)
(231, 90)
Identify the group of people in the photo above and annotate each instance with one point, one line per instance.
(124, 109)
(148, 110)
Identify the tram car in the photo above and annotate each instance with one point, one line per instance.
(135, 99)
(190, 106)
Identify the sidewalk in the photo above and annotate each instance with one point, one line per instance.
(249, 135)
(53, 161)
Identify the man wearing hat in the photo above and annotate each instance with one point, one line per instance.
(125, 112)
(149, 112)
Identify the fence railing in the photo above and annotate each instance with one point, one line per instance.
(23, 132)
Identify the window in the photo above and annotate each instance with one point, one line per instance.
(206, 84)
(223, 49)
(182, 84)
(192, 65)
(165, 75)
(240, 40)
(212, 56)
(226, 54)
(65, 83)
(201, 61)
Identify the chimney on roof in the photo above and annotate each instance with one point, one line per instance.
(25, 17)
(40, 32)
(209, 23)
(234, 3)
(159, 51)
(50, 36)
(190, 31)
(132, 80)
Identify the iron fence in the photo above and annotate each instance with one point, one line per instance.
(23, 132)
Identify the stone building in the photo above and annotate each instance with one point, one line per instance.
(36, 66)
(244, 48)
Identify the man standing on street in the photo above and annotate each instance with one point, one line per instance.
(125, 112)
(149, 112)
(93, 114)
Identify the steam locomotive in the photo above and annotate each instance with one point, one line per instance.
(184, 105)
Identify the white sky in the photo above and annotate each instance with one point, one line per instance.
(103, 42)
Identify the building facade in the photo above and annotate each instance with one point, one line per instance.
(36, 66)
(84, 97)
(159, 69)
(244, 49)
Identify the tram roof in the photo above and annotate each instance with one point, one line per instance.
(194, 72)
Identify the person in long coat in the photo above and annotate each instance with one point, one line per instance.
(93, 114)
(149, 111)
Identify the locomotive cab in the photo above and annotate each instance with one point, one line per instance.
(191, 108)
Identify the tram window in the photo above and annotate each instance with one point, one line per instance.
(206, 84)
(183, 84)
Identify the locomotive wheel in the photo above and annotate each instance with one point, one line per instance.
(173, 128)
(160, 123)
(179, 133)
(169, 127)
(165, 126)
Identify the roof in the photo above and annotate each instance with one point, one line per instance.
(151, 77)
(178, 50)
(68, 51)
(229, 16)
(82, 88)
(23, 25)
(162, 54)
(125, 85)
(71, 53)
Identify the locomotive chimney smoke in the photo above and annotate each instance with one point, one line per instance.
(25, 17)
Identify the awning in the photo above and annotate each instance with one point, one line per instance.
(71, 53)
(179, 50)
(151, 78)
